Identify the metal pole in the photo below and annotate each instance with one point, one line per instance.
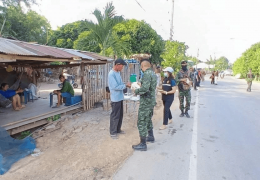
(171, 30)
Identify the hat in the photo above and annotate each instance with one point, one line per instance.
(183, 62)
(168, 69)
(9, 68)
(120, 61)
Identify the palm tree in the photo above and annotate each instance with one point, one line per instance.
(102, 31)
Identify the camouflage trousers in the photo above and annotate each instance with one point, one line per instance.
(187, 96)
(249, 85)
(144, 122)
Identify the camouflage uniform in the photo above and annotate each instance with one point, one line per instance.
(249, 80)
(147, 102)
(184, 93)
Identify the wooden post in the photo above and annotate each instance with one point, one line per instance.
(82, 67)
(34, 78)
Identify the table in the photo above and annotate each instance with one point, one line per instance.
(132, 101)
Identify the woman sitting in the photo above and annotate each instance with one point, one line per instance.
(12, 95)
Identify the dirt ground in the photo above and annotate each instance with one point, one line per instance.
(79, 147)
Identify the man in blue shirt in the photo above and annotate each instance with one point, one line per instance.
(116, 87)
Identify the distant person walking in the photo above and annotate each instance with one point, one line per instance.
(212, 77)
(249, 80)
(216, 78)
(203, 74)
(199, 78)
(116, 87)
(195, 79)
(192, 76)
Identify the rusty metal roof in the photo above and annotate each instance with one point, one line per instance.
(20, 48)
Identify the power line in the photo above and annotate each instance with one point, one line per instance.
(139, 5)
(153, 19)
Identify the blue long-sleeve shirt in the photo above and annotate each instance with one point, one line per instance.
(116, 86)
(8, 94)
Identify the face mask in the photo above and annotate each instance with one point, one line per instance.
(184, 68)
(165, 74)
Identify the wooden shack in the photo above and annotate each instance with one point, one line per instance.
(22, 56)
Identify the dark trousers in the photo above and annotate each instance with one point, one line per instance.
(167, 112)
(213, 81)
(195, 84)
(116, 117)
(198, 83)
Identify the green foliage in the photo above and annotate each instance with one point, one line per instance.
(54, 118)
(221, 64)
(24, 134)
(141, 38)
(30, 27)
(57, 63)
(173, 55)
(85, 42)
(65, 36)
(194, 59)
(250, 59)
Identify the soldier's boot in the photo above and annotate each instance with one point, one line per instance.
(182, 114)
(150, 137)
(187, 114)
(141, 146)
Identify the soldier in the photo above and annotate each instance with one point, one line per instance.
(249, 79)
(184, 83)
(147, 103)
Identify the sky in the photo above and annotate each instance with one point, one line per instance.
(215, 27)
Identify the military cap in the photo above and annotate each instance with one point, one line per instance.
(183, 62)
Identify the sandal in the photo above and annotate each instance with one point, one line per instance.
(23, 106)
(162, 127)
(17, 109)
(55, 106)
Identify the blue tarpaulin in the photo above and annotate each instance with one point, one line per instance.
(12, 150)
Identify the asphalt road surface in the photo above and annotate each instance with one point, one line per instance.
(220, 142)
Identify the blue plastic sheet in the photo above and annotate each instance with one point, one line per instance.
(12, 150)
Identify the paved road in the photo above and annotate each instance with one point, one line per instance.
(221, 140)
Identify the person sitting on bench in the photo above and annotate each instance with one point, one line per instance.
(66, 91)
(12, 95)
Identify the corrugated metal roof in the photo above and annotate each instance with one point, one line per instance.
(79, 54)
(21, 48)
(10, 48)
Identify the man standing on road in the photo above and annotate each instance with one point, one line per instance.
(147, 103)
(249, 80)
(184, 83)
(116, 87)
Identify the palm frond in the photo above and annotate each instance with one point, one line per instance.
(109, 10)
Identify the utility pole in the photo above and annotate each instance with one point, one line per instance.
(171, 27)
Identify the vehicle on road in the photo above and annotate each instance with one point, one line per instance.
(222, 74)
